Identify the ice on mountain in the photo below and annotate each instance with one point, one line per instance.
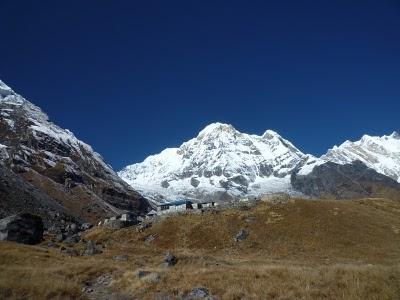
(217, 157)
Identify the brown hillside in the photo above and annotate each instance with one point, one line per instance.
(300, 250)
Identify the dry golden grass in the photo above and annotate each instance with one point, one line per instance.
(272, 281)
(300, 250)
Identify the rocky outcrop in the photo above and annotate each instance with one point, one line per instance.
(22, 228)
(342, 181)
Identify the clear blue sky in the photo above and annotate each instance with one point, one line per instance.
(134, 77)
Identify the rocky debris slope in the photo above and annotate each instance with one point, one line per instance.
(220, 163)
(54, 161)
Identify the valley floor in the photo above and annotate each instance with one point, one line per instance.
(302, 249)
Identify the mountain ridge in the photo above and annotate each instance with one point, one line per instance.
(220, 160)
(57, 163)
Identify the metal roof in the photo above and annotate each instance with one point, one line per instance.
(176, 202)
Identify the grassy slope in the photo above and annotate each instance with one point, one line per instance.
(300, 250)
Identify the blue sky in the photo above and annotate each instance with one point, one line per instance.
(134, 77)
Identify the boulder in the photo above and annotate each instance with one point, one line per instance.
(69, 251)
(121, 257)
(116, 224)
(194, 182)
(199, 293)
(22, 228)
(241, 235)
(72, 228)
(73, 239)
(170, 259)
(148, 239)
(59, 237)
(91, 249)
(86, 226)
(162, 296)
(140, 273)
(152, 277)
(143, 226)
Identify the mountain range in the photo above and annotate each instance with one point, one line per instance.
(46, 170)
(223, 163)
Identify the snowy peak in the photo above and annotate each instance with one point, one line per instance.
(395, 135)
(219, 160)
(379, 153)
(4, 86)
(270, 134)
(5, 89)
(217, 128)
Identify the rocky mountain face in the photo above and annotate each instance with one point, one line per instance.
(351, 180)
(379, 153)
(222, 163)
(18, 195)
(62, 169)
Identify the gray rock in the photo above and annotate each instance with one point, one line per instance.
(72, 228)
(54, 229)
(71, 240)
(199, 292)
(194, 182)
(142, 226)
(87, 290)
(140, 273)
(148, 239)
(248, 219)
(241, 235)
(91, 249)
(86, 226)
(116, 224)
(165, 184)
(51, 244)
(22, 228)
(69, 251)
(170, 259)
(239, 179)
(104, 279)
(162, 296)
(152, 277)
(59, 237)
(121, 257)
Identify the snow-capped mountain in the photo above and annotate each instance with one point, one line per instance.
(59, 164)
(223, 163)
(379, 153)
(220, 162)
